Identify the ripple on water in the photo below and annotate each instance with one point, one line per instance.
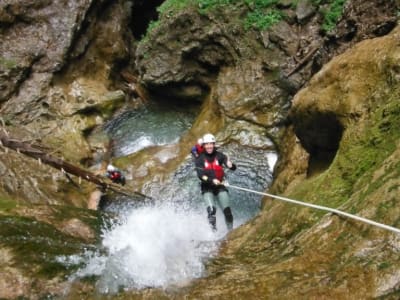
(135, 130)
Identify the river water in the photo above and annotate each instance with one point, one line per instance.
(167, 242)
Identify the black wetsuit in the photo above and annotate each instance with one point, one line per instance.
(208, 175)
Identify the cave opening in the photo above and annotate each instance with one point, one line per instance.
(320, 134)
(143, 12)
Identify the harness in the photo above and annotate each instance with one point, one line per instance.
(216, 167)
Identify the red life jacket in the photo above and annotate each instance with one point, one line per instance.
(115, 175)
(215, 166)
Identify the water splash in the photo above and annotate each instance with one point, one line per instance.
(153, 247)
(167, 244)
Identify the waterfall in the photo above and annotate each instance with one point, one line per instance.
(167, 242)
(154, 246)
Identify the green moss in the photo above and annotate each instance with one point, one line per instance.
(208, 5)
(7, 63)
(170, 7)
(332, 14)
(261, 14)
(152, 25)
(36, 245)
(7, 204)
(384, 265)
(385, 207)
(90, 217)
(362, 151)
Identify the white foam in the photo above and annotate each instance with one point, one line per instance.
(155, 247)
(272, 158)
(136, 145)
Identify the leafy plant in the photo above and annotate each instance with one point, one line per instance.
(169, 7)
(332, 14)
(257, 4)
(206, 5)
(260, 20)
(262, 14)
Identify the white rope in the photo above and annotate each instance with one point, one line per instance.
(332, 210)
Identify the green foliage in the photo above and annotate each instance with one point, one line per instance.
(207, 5)
(6, 204)
(384, 265)
(260, 20)
(171, 6)
(152, 25)
(317, 2)
(262, 14)
(332, 14)
(258, 4)
(7, 63)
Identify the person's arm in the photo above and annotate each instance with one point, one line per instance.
(194, 151)
(228, 163)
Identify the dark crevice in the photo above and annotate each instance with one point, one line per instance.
(143, 12)
(320, 134)
(188, 92)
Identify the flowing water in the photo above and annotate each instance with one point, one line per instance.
(153, 125)
(166, 242)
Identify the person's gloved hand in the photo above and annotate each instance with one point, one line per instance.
(216, 181)
(231, 165)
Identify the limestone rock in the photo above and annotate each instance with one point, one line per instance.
(304, 10)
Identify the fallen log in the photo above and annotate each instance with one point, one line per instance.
(303, 61)
(36, 152)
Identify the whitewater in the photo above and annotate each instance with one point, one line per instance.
(153, 247)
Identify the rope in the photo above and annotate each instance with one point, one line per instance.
(320, 207)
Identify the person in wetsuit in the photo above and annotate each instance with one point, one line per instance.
(209, 166)
(115, 175)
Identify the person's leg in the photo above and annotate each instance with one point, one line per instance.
(211, 209)
(224, 202)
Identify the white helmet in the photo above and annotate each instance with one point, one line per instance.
(200, 141)
(208, 138)
(110, 168)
